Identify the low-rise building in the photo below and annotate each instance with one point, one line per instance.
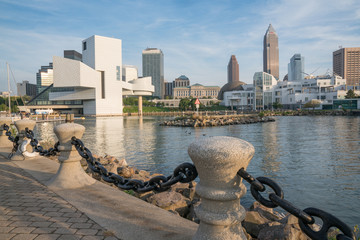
(196, 91)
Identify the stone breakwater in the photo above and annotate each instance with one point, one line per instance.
(213, 121)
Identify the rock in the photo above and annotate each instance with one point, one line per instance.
(185, 189)
(281, 232)
(126, 172)
(254, 222)
(265, 212)
(171, 201)
(192, 215)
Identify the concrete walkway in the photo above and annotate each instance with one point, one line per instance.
(30, 210)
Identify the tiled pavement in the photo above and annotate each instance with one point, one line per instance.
(29, 210)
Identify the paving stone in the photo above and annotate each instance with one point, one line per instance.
(22, 230)
(20, 224)
(6, 229)
(53, 214)
(39, 219)
(6, 236)
(41, 230)
(30, 204)
(78, 220)
(4, 223)
(73, 215)
(87, 231)
(92, 238)
(58, 219)
(24, 237)
(65, 230)
(20, 218)
(81, 225)
(47, 237)
(69, 237)
(5, 217)
(50, 209)
(60, 225)
(40, 224)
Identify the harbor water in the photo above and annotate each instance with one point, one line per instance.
(315, 159)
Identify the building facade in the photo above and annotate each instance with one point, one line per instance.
(271, 52)
(153, 66)
(98, 80)
(346, 63)
(196, 91)
(264, 84)
(296, 68)
(44, 78)
(26, 88)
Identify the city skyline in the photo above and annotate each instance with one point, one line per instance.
(196, 45)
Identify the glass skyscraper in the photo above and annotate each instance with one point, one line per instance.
(153, 66)
(296, 68)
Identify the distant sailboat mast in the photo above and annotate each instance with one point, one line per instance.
(7, 65)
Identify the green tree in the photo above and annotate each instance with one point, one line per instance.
(277, 105)
(312, 104)
(184, 104)
(350, 94)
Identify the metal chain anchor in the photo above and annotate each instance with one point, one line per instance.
(35, 144)
(184, 173)
(14, 140)
(305, 217)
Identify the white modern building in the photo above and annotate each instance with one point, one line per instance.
(292, 95)
(98, 80)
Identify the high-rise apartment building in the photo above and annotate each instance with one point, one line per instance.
(296, 68)
(346, 63)
(271, 52)
(44, 78)
(153, 66)
(26, 88)
(233, 70)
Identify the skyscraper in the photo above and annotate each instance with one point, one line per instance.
(296, 68)
(44, 77)
(153, 66)
(271, 52)
(346, 63)
(233, 70)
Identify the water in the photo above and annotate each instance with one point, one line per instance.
(315, 160)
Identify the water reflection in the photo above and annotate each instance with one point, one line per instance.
(315, 159)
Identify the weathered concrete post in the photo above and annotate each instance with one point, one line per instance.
(70, 173)
(217, 160)
(4, 140)
(24, 145)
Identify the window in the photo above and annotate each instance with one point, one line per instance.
(118, 73)
(84, 46)
(102, 84)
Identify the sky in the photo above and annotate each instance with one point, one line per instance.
(197, 37)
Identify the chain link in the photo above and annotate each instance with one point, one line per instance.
(14, 140)
(184, 173)
(305, 217)
(35, 144)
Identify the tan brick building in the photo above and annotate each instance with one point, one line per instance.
(346, 63)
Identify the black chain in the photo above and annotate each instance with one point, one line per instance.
(305, 216)
(184, 173)
(35, 144)
(14, 140)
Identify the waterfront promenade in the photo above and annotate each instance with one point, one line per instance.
(30, 210)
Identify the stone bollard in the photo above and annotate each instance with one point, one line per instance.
(24, 142)
(217, 160)
(70, 173)
(4, 140)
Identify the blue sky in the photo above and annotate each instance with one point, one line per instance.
(196, 37)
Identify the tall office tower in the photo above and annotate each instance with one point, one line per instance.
(233, 70)
(233, 78)
(296, 68)
(44, 78)
(346, 63)
(153, 66)
(271, 52)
